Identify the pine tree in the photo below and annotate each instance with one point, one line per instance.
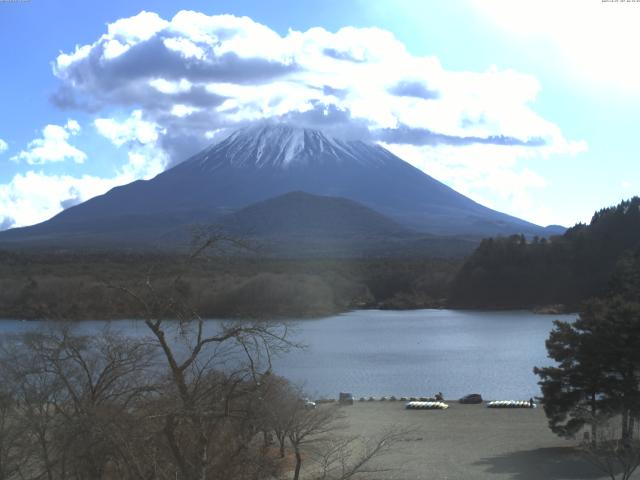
(597, 375)
(573, 390)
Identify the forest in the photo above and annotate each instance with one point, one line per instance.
(564, 271)
(87, 285)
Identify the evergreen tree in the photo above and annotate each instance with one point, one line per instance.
(597, 376)
(573, 390)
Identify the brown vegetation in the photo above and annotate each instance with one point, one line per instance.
(76, 286)
(188, 401)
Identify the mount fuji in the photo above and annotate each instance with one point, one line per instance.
(261, 162)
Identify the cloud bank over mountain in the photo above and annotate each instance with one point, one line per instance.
(165, 88)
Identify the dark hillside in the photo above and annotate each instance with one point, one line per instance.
(512, 272)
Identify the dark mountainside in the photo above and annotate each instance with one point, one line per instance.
(300, 224)
(515, 273)
(258, 163)
(300, 213)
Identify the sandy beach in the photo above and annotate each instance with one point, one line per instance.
(470, 442)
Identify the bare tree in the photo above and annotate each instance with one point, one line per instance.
(310, 426)
(316, 432)
(12, 438)
(280, 401)
(207, 406)
(342, 458)
(75, 394)
(35, 393)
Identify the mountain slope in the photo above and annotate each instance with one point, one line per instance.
(304, 214)
(262, 162)
(299, 224)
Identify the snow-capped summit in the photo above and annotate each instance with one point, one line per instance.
(266, 161)
(281, 146)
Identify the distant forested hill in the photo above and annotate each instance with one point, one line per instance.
(512, 272)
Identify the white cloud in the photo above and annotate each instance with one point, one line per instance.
(595, 41)
(64, 60)
(34, 196)
(186, 47)
(113, 49)
(201, 75)
(237, 70)
(3, 146)
(180, 110)
(133, 129)
(167, 87)
(141, 137)
(72, 126)
(53, 146)
(138, 28)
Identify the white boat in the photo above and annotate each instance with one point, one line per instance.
(511, 404)
(426, 406)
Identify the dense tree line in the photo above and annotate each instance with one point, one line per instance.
(595, 383)
(515, 272)
(77, 285)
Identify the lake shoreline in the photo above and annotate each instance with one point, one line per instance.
(411, 353)
(540, 310)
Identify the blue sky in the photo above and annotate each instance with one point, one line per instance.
(528, 107)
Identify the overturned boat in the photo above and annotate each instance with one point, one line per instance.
(426, 406)
(511, 404)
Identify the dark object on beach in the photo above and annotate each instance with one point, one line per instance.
(345, 398)
(471, 398)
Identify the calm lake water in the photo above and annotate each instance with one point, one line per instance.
(404, 353)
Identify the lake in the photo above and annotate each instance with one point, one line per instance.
(404, 353)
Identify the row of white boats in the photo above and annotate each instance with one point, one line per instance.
(493, 404)
(511, 404)
(427, 406)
